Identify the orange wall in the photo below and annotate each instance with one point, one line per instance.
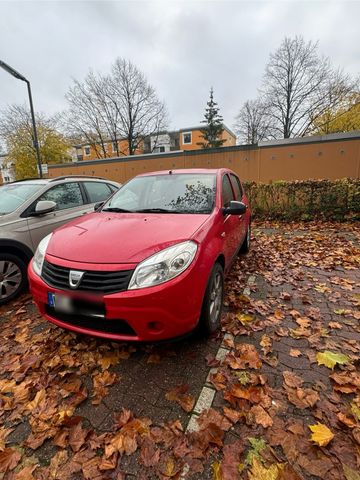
(321, 160)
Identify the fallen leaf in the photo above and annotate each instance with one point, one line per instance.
(292, 380)
(216, 467)
(294, 352)
(261, 416)
(330, 359)
(9, 458)
(350, 474)
(266, 344)
(321, 435)
(179, 394)
(259, 472)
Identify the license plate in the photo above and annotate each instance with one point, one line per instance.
(61, 303)
(69, 305)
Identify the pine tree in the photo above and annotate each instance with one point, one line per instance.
(214, 125)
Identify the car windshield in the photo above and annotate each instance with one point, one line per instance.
(172, 193)
(14, 195)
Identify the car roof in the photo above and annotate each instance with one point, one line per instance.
(46, 181)
(184, 170)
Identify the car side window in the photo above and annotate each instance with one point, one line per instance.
(65, 195)
(237, 187)
(227, 193)
(97, 191)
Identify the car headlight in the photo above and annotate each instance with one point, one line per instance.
(163, 266)
(39, 256)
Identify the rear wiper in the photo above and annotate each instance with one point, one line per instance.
(156, 210)
(116, 209)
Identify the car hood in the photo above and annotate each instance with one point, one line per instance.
(121, 237)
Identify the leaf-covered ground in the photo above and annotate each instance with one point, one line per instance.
(287, 403)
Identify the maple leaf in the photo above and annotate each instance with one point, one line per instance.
(179, 394)
(321, 435)
(259, 472)
(257, 445)
(261, 416)
(330, 359)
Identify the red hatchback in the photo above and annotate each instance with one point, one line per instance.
(149, 264)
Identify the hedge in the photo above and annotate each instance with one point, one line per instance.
(305, 200)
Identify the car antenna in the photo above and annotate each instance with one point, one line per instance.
(170, 172)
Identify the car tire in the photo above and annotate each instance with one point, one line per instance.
(245, 246)
(210, 318)
(13, 277)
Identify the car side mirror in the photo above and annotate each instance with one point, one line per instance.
(98, 205)
(235, 208)
(44, 206)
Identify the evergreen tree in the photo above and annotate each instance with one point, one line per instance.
(214, 125)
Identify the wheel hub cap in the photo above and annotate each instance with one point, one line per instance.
(10, 278)
(216, 298)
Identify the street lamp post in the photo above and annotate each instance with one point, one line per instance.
(18, 75)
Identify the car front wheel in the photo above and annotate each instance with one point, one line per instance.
(13, 278)
(213, 300)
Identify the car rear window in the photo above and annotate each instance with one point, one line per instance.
(14, 195)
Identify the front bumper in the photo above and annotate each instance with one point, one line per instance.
(155, 313)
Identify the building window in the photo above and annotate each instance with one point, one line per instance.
(87, 150)
(187, 137)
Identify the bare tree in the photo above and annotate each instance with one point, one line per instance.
(120, 105)
(299, 85)
(89, 117)
(140, 111)
(252, 124)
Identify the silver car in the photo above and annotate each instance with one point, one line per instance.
(30, 210)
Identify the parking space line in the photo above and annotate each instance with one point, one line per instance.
(207, 394)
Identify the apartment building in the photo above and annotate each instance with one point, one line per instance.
(162, 142)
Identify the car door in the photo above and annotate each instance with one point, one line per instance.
(230, 222)
(241, 226)
(70, 203)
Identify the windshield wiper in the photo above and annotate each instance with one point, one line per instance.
(116, 209)
(156, 210)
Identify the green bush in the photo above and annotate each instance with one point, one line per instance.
(305, 200)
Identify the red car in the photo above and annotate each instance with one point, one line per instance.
(149, 263)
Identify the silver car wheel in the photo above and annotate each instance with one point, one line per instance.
(10, 278)
(216, 299)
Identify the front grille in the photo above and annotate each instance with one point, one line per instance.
(120, 327)
(92, 281)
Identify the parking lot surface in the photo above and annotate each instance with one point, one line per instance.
(287, 358)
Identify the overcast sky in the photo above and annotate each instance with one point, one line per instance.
(184, 47)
